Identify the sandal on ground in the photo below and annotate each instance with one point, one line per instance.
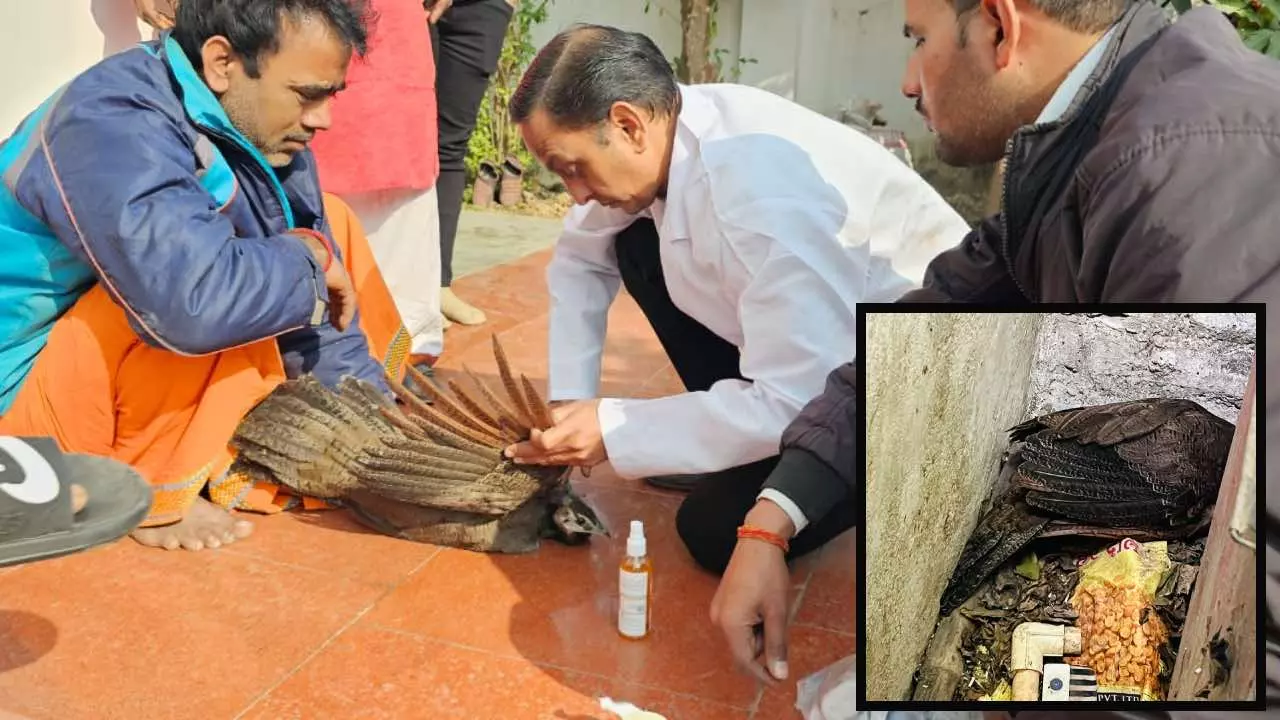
(36, 517)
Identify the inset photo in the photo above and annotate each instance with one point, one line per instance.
(1060, 507)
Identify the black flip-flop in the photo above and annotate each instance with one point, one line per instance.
(36, 519)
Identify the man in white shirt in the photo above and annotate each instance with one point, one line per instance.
(747, 228)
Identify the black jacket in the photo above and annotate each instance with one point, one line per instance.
(1157, 184)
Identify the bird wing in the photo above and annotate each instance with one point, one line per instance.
(1153, 462)
(1001, 533)
(445, 456)
(1107, 424)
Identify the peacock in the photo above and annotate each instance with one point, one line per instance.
(428, 470)
(1147, 469)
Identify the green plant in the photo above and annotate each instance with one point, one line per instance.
(1257, 21)
(495, 137)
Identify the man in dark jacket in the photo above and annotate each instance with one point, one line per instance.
(1141, 161)
(1140, 165)
(1141, 155)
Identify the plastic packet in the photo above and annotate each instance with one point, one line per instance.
(1121, 631)
(830, 693)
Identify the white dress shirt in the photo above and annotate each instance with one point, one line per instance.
(777, 223)
(1071, 85)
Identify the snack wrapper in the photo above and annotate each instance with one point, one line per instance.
(1122, 632)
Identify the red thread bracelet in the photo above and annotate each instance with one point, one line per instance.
(749, 532)
(324, 241)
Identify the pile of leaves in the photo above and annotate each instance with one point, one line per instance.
(1038, 589)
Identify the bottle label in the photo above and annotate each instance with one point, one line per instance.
(633, 603)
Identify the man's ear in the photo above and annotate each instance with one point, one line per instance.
(631, 123)
(1005, 19)
(217, 61)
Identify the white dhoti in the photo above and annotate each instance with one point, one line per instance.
(403, 227)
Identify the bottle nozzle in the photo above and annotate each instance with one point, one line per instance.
(636, 542)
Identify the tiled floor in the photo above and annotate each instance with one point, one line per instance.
(313, 617)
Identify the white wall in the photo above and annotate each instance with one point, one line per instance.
(46, 43)
(661, 23)
(820, 53)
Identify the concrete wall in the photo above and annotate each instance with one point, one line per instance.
(1084, 360)
(47, 43)
(823, 53)
(941, 389)
(820, 53)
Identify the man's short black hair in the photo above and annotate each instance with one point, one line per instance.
(578, 76)
(1082, 16)
(254, 27)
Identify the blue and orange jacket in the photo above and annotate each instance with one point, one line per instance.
(132, 175)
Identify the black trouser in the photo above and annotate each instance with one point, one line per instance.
(466, 41)
(708, 519)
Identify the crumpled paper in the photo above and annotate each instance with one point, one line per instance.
(627, 711)
(831, 693)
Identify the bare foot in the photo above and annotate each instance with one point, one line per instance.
(79, 498)
(205, 526)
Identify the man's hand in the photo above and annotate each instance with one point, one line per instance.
(342, 294)
(435, 8)
(574, 439)
(755, 589)
(158, 14)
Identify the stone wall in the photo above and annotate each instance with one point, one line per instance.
(1082, 360)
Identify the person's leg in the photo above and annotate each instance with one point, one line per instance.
(467, 42)
(700, 357)
(98, 389)
(402, 229)
(708, 519)
(388, 342)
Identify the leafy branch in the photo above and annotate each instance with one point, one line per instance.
(1257, 21)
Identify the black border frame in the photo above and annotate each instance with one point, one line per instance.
(1260, 685)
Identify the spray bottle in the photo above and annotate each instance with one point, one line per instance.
(635, 585)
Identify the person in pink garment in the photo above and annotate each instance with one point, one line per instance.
(381, 157)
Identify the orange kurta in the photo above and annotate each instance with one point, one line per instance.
(97, 388)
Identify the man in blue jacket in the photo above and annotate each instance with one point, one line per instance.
(166, 256)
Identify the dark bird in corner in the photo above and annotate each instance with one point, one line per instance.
(1146, 469)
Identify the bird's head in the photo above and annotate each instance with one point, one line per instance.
(574, 518)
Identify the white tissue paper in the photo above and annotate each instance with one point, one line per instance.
(829, 694)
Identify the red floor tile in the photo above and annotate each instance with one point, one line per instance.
(558, 606)
(374, 674)
(132, 632)
(830, 599)
(332, 541)
(129, 632)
